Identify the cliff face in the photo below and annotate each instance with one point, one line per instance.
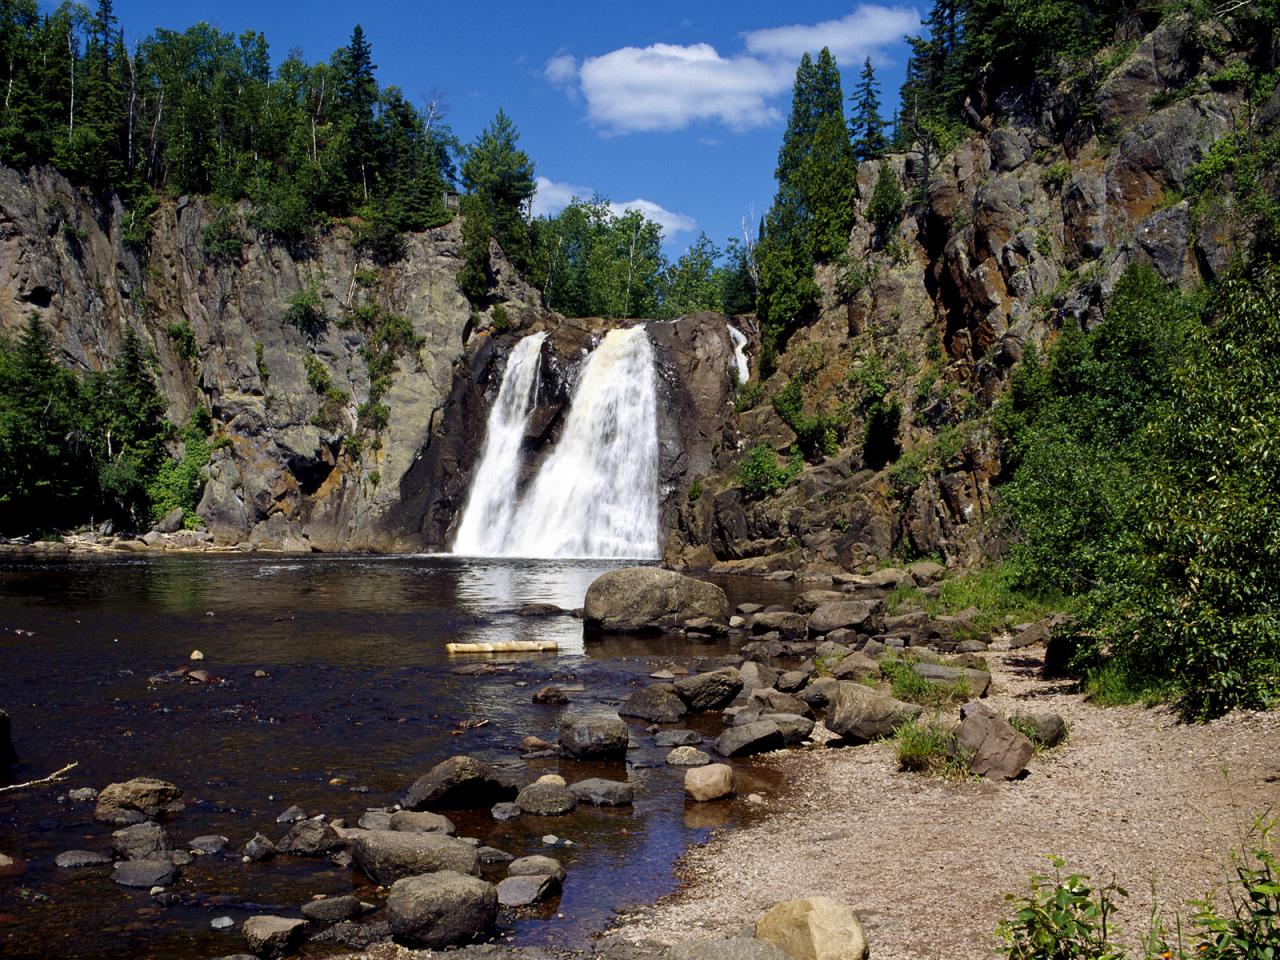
(1028, 224)
(278, 343)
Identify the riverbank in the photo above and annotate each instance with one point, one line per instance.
(1132, 794)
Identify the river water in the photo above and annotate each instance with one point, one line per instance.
(359, 700)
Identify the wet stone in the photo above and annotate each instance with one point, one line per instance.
(211, 844)
(80, 858)
(144, 873)
(678, 738)
(259, 848)
(503, 812)
(333, 909)
(523, 891)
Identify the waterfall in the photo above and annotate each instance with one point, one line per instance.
(740, 353)
(596, 494)
(486, 519)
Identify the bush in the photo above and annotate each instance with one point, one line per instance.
(306, 312)
(885, 207)
(926, 746)
(760, 474)
(1064, 918)
(817, 434)
(748, 396)
(178, 482)
(907, 685)
(220, 242)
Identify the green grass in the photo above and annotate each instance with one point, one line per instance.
(907, 685)
(1112, 684)
(926, 746)
(992, 590)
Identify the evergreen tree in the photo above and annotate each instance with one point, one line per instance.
(867, 124)
(500, 175)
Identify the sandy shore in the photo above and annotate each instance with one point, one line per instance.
(1132, 794)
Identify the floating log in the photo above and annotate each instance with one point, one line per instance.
(504, 646)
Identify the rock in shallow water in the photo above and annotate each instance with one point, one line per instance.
(333, 909)
(709, 691)
(594, 738)
(80, 858)
(259, 848)
(546, 797)
(537, 866)
(459, 783)
(657, 704)
(503, 812)
(413, 821)
(310, 838)
(678, 738)
(711, 782)
(688, 757)
(142, 841)
(603, 793)
(143, 798)
(522, 891)
(759, 736)
(649, 598)
(273, 936)
(441, 909)
(388, 855)
(210, 844)
(144, 873)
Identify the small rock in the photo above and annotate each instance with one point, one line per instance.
(259, 848)
(374, 820)
(817, 928)
(197, 655)
(995, 749)
(142, 841)
(222, 923)
(412, 821)
(794, 728)
(550, 695)
(662, 675)
(292, 815)
(861, 714)
(530, 744)
(82, 795)
(752, 738)
(212, 844)
(387, 855)
(711, 782)
(310, 838)
(80, 858)
(709, 691)
(143, 798)
(546, 797)
(657, 704)
(688, 757)
(458, 783)
(678, 738)
(537, 866)
(491, 855)
(272, 937)
(503, 812)
(594, 738)
(1044, 729)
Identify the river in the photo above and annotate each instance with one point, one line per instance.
(359, 699)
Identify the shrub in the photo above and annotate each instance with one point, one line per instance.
(926, 746)
(884, 209)
(817, 434)
(907, 685)
(220, 242)
(1063, 918)
(499, 319)
(695, 490)
(761, 475)
(184, 340)
(1055, 175)
(305, 311)
(748, 396)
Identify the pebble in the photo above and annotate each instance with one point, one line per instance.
(550, 840)
(197, 655)
(82, 795)
(222, 923)
(292, 815)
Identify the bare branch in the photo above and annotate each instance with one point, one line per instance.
(51, 778)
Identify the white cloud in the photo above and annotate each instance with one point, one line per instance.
(562, 70)
(851, 38)
(553, 196)
(669, 86)
(670, 221)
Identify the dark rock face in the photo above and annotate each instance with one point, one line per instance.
(594, 738)
(657, 704)
(387, 855)
(861, 714)
(459, 783)
(649, 598)
(441, 909)
(143, 798)
(760, 736)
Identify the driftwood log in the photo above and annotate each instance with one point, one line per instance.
(504, 646)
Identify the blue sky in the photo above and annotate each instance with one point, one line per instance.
(679, 107)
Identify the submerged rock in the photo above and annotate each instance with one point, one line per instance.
(603, 793)
(523, 891)
(72, 859)
(310, 838)
(144, 873)
(333, 909)
(143, 798)
(142, 841)
(657, 704)
(649, 598)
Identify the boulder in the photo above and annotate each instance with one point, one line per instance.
(758, 737)
(775, 701)
(388, 855)
(594, 738)
(793, 681)
(793, 727)
(1043, 729)
(333, 909)
(855, 666)
(537, 866)
(504, 812)
(858, 615)
(649, 598)
(142, 841)
(688, 757)
(171, 522)
(993, 748)
(657, 704)
(274, 936)
(441, 909)
(810, 600)
(143, 798)
(712, 782)
(979, 681)
(1039, 632)
(889, 578)
(603, 793)
(459, 783)
(925, 572)
(546, 797)
(310, 838)
(735, 948)
(819, 692)
(757, 675)
(709, 691)
(816, 928)
(523, 891)
(861, 714)
(421, 821)
(144, 873)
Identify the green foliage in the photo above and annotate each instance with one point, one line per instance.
(1063, 918)
(1055, 175)
(867, 125)
(885, 207)
(695, 490)
(178, 482)
(184, 340)
(748, 396)
(499, 319)
(220, 242)
(882, 413)
(306, 311)
(137, 228)
(260, 363)
(760, 474)
(907, 685)
(500, 178)
(817, 434)
(475, 276)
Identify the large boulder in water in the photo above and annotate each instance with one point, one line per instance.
(388, 855)
(648, 598)
(441, 909)
(460, 783)
(143, 798)
(594, 738)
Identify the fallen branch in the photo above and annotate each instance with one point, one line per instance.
(51, 778)
(504, 646)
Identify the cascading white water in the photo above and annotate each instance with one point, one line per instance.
(486, 519)
(596, 494)
(740, 353)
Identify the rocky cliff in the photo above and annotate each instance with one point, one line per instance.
(349, 397)
(1027, 224)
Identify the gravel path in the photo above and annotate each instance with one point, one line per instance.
(925, 863)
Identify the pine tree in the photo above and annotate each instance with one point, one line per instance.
(358, 95)
(501, 176)
(867, 125)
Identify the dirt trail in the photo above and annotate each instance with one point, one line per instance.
(1132, 794)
